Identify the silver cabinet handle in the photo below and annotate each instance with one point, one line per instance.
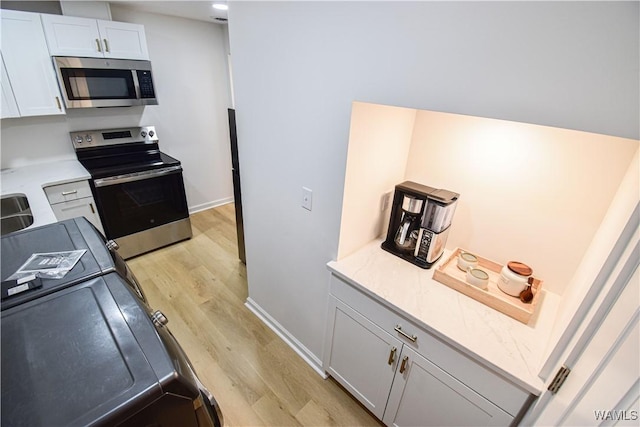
(392, 355)
(399, 330)
(99, 45)
(106, 45)
(68, 193)
(403, 366)
(58, 102)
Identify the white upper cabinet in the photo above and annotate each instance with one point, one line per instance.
(28, 65)
(123, 40)
(9, 106)
(73, 36)
(70, 36)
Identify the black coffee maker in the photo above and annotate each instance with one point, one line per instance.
(419, 224)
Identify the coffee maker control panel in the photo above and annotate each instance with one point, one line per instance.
(423, 247)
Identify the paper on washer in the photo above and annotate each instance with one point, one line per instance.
(49, 265)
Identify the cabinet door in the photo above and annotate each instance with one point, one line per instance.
(362, 357)
(29, 65)
(9, 106)
(425, 395)
(72, 36)
(123, 40)
(81, 207)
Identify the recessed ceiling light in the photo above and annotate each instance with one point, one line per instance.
(220, 6)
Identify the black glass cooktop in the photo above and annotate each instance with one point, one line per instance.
(120, 160)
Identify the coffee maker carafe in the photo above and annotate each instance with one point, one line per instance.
(407, 233)
(419, 224)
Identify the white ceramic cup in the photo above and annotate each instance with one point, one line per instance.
(478, 278)
(466, 260)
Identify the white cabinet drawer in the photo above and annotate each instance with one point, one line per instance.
(485, 382)
(67, 192)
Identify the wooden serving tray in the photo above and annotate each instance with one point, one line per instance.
(449, 274)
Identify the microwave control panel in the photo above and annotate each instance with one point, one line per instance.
(146, 84)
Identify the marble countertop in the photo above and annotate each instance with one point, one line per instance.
(30, 180)
(502, 344)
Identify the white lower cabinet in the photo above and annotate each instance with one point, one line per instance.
(425, 395)
(363, 358)
(72, 200)
(404, 375)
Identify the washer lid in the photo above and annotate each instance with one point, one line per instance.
(70, 358)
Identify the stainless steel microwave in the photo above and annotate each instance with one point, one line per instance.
(98, 82)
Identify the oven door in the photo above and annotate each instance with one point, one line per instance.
(139, 201)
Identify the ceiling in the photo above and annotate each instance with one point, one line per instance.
(201, 10)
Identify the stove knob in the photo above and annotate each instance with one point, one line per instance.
(159, 319)
(151, 133)
(78, 139)
(143, 134)
(88, 138)
(112, 245)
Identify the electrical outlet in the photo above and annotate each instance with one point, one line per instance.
(384, 203)
(307, 196)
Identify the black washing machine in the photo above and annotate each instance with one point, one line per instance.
(87, 350)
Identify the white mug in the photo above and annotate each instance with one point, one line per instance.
(466, 260)
(478, 278)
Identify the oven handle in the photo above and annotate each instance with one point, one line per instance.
(137, 176)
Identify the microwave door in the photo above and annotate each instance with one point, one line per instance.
(98, 88)
(78, 88)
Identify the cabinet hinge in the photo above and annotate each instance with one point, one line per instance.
(559, 379)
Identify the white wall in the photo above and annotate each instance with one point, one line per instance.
(189, 63)
(298, 66)
(531, 193)
(379, 143)
(527, 192)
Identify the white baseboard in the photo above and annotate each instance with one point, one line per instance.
(209, 205)
(291, 341)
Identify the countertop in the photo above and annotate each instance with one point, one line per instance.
(30, 180)
(504, 345)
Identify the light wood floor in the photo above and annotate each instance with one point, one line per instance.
(201, 286)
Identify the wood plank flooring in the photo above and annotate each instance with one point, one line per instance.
(201, 286)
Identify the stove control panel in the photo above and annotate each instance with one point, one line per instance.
(79, 139)
(100, 138)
